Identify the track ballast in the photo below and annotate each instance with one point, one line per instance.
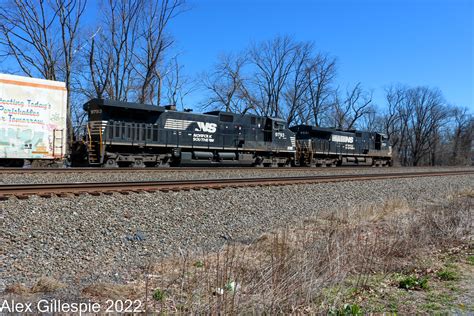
(23, 191)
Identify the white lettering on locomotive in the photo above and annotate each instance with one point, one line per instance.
(280, 135)
(342, 139)
(203, 138)
(206, 127)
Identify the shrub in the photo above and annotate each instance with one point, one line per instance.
(347, 309)
(199, 264)
(413, 283)
(447, 275)
(158, 295)
(470, 260)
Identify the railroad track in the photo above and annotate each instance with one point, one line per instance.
(169, 169)
(23, 191)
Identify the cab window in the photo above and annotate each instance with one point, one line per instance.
(279, 126)
(226, 118)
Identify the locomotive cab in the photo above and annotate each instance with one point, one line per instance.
(381, 142)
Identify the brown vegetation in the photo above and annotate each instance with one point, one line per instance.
(292, 270)
(42, 285)
(113, 291)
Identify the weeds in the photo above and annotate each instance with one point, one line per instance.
(446, 274)
(46, 285)
(346, 310)
(470, 260)
(113, 291)
(17, 288)
(199, 264)
(288, 271)
(413, 283)
(42, 285)
(158, 295)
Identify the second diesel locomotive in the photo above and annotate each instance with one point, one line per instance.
(318, 146)
(139, 135)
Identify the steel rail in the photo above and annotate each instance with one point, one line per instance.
(63, 189)
(158, 169)
(175, 169)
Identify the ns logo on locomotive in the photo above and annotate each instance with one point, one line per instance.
(139, 135)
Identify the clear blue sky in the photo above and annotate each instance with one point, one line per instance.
(376, 42)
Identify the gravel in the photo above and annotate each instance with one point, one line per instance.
(88, 239)
(153, 175)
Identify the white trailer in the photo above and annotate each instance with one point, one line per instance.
(32, 118)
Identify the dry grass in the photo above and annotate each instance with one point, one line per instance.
(46, 285)
(113, 291)
(287, 271)
(42, 285)
(466, 193)
(17, 288)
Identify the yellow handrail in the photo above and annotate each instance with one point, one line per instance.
(100, 142)
(90, 137)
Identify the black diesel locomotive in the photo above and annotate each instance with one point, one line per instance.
(139, 135)
(318, 146)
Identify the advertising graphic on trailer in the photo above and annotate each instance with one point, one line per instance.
(32, 118)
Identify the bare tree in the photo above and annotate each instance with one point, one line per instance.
(156, 17)
(320, 73)
(425, 120)
(273, 61)
(178, 85)
(395, 96)
(118, 40)
(279, 77)
(462, 135)
(298, 84)
(69, 14)
(41, 36)
(226, 84)
(356, 104)
(100, 63)
(128, 63)
(29, 31)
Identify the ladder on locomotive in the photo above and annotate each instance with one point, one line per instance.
(94, 147)
(304, 151)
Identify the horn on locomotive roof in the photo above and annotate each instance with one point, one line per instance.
(171, 107)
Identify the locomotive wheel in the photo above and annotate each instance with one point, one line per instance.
(163, 164)
(111, 163)
(137, 164)
(258, 162)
